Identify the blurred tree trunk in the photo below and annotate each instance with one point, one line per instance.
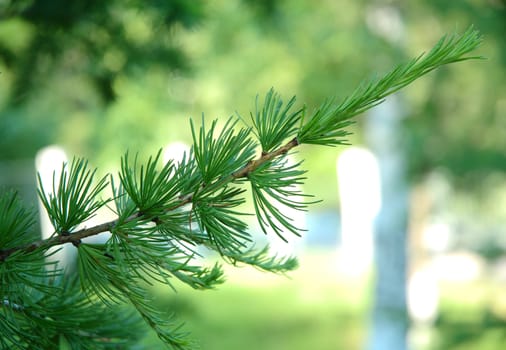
(390, 318)
(383, 131)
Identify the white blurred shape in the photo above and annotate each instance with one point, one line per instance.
(360, 198)
(48, 161)
(423, 296)
(174, 151)
(458, 267)
(386, 22)
(436, 237)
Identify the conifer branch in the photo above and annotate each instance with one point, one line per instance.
(165, 211)
(76, 237)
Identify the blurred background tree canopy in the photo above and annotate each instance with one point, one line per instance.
(64, 62)
(101, 77)
(135, 69)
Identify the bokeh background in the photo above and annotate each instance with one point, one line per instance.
(98, 78)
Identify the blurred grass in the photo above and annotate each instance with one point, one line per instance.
(320, 307)
(472, 316)
(314, 308)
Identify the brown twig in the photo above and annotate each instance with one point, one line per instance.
(76, 237)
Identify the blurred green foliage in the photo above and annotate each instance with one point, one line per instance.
(472, 316)
(459, 121)
(63, 63)
(138, 71)
(258, 311)
(323, 310)
(101, 77)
